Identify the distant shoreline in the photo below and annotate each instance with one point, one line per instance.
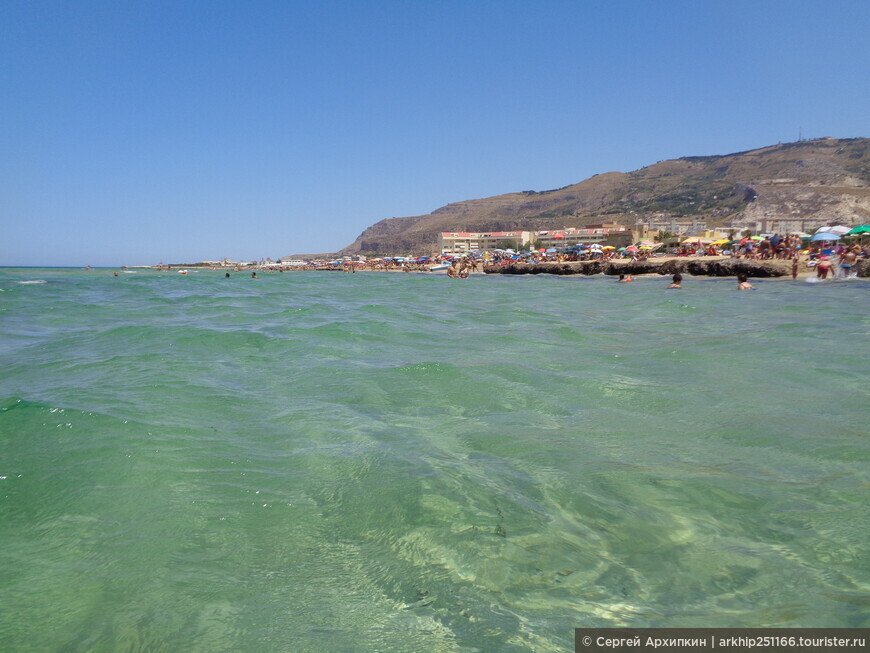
(704, 266)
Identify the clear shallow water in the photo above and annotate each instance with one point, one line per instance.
(391, 462)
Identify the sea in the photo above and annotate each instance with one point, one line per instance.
(400, 462)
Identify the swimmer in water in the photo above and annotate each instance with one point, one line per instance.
(677, 281)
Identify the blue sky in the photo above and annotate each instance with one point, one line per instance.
(139, 132)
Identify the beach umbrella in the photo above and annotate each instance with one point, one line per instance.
(857, 231)
(721, 241)
(620, 249)
(839, 230)
(608, 248)
(631, 249)
(825, 236)
(550, 250)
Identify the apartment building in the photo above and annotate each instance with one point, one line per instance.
(465, 242)
(453, 243)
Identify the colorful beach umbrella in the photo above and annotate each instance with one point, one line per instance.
(862, 229)
(825, 236)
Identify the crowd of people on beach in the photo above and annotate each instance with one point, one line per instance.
(827, 258)
(763, 248)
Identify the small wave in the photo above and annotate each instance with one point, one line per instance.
(831, 280)
(31, 282)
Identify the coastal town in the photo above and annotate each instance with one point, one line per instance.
(768, 248)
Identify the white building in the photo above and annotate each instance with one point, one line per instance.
(465, 242)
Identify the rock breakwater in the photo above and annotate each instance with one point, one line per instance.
(696, 267)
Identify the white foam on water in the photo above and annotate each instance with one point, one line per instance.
(834, 279)
(31, 282)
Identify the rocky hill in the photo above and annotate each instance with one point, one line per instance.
(827, 178)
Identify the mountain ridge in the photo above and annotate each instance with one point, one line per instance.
(824, 178)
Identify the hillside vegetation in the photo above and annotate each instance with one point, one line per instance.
(827, 178)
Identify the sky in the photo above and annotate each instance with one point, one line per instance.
(133, 133)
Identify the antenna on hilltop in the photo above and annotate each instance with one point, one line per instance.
(800, 133)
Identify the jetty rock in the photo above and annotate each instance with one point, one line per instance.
(694, 267)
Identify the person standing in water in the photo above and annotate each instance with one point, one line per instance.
(677, 281)
(848, 260)
(823, 267)
(743, 283)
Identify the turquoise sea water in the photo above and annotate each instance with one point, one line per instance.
(316, 462)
